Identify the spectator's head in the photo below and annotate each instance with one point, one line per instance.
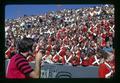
(102, 54)
(25, 45)
(108, 44)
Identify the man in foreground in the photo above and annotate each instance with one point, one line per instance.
(18, 66)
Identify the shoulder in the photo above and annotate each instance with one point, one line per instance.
(16, 55)
(19, 58)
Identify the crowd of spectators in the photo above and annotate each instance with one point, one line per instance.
(68, 36)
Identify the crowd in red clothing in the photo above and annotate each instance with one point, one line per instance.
(69, 36)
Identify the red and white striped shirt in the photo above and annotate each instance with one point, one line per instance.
(18, 67)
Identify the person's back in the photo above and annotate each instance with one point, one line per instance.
(16, 62)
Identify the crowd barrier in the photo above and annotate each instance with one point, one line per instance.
(66, 71)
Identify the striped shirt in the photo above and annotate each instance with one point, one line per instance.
(18, 67)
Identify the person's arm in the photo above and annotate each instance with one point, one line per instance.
(23, 66)
(37, 70)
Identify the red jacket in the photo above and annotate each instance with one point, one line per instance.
(104, 70)
(91, 60)
(55, 58)
(85, 62)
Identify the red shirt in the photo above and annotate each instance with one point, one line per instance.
(103, 70)
(110, 34)
(74, 62)
(90, 36)
(103, 22)
(55, 58)
(18, 67)
(84, 28)
(78, 56)
(106, 69)
(103, 36)
(85, 62)
(62, 51)
(91, 60)
(103, 43)
(49, 47)
(98, 29)
(58, 36)
(65, 40)
(47, 53)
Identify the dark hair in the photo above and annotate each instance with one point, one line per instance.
(25, 45)
(102, 53)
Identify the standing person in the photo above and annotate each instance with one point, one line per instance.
(18, 66)
(106, 67)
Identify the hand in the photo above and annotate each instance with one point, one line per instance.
(38, 56)
(37, 48)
